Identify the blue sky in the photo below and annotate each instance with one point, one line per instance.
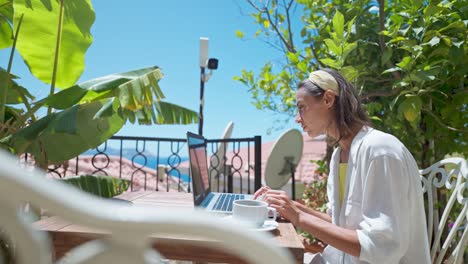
(131, 35)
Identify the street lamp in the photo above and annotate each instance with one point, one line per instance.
(212, 64)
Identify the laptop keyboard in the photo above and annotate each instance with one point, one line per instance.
(225, 200)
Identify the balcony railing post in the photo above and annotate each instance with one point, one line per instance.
(258, 162)
(230, 180)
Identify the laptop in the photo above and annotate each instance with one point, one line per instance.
(202, 195)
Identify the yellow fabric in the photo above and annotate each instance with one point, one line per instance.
(342, 176)
(324, 80)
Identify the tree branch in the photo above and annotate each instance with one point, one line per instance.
(273, 25)
(382, 93)
(444, 125)
(316, 57)
(288, 18)
(275, 28)
(382, 24)
(273, 45)
(381, 37)
(258, 8)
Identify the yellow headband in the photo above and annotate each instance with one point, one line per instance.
(325, 81)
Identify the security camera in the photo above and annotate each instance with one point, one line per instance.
(212, 64)
(203, 51)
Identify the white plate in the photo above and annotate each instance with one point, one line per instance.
(269, 225)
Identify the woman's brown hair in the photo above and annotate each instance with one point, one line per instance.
(348, 108)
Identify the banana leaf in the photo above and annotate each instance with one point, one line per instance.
(6, 15)
(15, 91)
(94, 111)
(51, 28)
(169, 113)
(133, 91)
(63, 135)
(102, 186)
(162, 113)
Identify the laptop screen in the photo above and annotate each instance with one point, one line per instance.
(198, 167)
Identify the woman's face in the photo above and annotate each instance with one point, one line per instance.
(314, 113)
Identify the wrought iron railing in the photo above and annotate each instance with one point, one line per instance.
(161, 164)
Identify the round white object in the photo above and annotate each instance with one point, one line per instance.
(286, 151)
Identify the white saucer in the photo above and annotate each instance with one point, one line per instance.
(269, 225)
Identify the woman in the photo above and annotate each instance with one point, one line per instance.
(375, 211)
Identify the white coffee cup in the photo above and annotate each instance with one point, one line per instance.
(252, 212)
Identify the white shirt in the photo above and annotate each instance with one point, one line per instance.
(383, 202)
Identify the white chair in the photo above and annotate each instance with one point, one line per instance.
(32, 246)
(450, 174)
(216, 165)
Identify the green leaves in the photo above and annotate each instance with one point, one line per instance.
(405, 63)
(410, 108)
(39, 39)
(459, 26)
(414, 62)
(102, 186)
(16, 93)
(63, 135)
(6, 32)
(331, 63)
(52, 39)
(333, 46)
(134, 91)
(95, 110)
(169, 113)
(339, 46)
(292, 57)
(338, 24)
(434, 41)
(239, 34)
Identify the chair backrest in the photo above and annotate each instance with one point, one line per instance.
(447, 180)
(31, 246)
(217, 161)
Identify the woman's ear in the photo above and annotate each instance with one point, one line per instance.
(329, 98)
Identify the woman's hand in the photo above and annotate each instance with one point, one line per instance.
(261, 191)
(283, 205)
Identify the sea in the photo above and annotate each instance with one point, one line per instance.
(151, 160)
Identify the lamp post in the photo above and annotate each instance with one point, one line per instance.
(212, 64)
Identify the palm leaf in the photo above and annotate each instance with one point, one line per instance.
(102, 186)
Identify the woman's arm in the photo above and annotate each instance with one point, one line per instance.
(343, 239)
(313, 212)
(323, 216)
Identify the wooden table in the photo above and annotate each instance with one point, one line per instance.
(66, 235)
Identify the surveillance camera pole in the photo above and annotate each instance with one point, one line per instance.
(212, 64)
(202, 90)
(203, 63)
